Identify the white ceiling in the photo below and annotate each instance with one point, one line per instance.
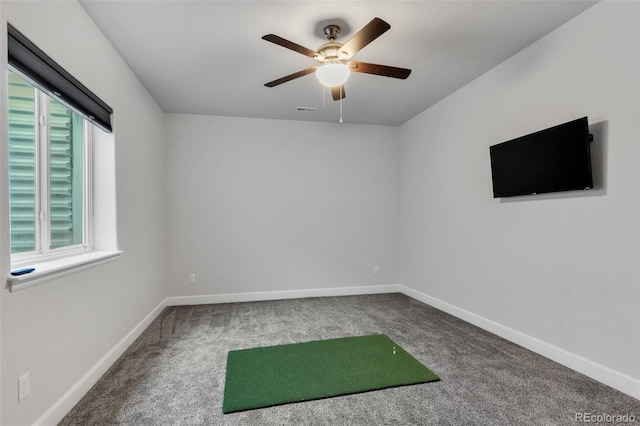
(207, 57)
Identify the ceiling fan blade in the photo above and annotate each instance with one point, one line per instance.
(290, 45)
(366, 35)
(384, 70)
(291, 77)
(338, 92)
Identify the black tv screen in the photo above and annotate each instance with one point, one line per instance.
(551, 160)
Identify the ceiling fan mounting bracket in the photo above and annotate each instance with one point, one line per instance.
(331, 31)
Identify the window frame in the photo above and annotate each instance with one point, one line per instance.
(42, 225)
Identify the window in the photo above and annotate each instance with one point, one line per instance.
(56, 174)
(49, 174)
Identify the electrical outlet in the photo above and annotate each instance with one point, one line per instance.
(376, 270)
(192, 278)
(23, 386)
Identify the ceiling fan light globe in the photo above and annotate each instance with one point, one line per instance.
(332, 75)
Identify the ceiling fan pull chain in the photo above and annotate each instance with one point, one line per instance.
(341, 104)
(324, 97)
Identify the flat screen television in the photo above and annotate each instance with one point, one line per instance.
(551, 160)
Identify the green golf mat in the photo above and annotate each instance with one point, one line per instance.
(274, 375)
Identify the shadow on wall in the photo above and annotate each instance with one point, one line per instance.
(599, 150)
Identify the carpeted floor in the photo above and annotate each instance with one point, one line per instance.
(174, 373)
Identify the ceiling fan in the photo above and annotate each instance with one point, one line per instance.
(334, 58)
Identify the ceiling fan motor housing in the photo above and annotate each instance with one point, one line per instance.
(331, 52)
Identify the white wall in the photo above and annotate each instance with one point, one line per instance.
(266, 205)
(59, 330)
(560, 268)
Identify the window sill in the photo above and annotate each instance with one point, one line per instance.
(46, 271)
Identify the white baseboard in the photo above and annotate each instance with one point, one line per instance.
(60, 409)
(284, 294)
(603, 374)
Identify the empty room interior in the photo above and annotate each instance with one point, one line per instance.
(227, 199)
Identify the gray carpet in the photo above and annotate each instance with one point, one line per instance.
(174, 373)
